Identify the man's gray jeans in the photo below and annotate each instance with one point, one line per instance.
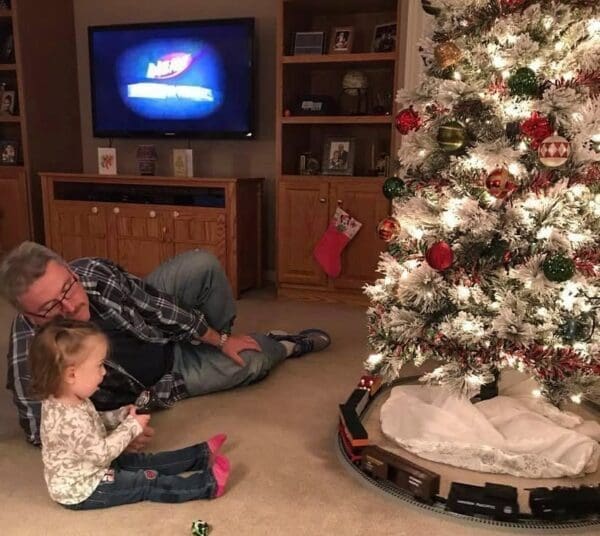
(196, 280)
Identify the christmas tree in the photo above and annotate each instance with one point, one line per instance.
(493, 257)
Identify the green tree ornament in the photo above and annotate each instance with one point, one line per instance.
(558, 268)
(523, 83)
(393, 187)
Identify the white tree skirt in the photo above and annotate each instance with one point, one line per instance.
(514, 433)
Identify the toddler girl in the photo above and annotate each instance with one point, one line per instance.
(82, 449)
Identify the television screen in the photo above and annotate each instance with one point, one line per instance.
(183, 79)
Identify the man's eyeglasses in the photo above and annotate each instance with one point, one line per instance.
(52, 306)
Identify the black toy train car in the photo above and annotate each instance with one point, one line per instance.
(492, 500)
(384, 465)
(564, 503)
(352, 432)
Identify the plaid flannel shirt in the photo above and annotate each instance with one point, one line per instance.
(133, 306)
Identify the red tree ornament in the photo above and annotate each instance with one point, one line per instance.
(387, 229)
(554, 151)
(537, 128)
(500, 183)
(408, 120)
(440, 256)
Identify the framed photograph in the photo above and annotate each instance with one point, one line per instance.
(384, 37)
(341, 40)
(338, 156)
(9, 150)
(7, 102)
(309, 43)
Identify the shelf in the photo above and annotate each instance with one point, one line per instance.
(10, 119)
(337, 120)
(8, 66)
(15, 167)
(5, 13)
(365, 57)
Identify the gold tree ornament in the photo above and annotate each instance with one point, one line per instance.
(447, 54)
(451, 136)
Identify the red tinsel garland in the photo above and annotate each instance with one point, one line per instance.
(537, 128)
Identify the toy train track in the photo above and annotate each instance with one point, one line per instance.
(492, 504)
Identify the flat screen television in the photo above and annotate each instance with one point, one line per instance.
(190, 79)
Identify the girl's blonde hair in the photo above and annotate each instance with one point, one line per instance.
(55, 347)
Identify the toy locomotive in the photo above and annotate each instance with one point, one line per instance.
(564, 503)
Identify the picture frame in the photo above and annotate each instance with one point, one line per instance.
(308, 43)
(9, 152)
(7, 102)
(342, 39)
(338, 155)
(384, 37)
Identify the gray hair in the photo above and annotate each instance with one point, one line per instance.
(21, 267)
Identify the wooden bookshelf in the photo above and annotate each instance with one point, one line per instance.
(306, 203)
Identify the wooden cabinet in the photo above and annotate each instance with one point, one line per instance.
(78, 229)
(303, 216)
(140, 236)
(307, 203)
(140, 222)
(41, 128)
(305, 209)
(365, 202)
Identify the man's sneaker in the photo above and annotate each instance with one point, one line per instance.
(308, 340)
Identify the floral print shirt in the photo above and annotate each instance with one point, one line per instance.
(79, 444)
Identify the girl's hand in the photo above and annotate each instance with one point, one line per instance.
(142, 419)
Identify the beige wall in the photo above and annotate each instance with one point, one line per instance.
(211, 158)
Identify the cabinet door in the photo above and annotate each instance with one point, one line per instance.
(302, 215)
(139, 237)
(78, 229)
(14, 208)
(200, 228)
(364, 201)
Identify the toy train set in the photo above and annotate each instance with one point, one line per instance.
(492, 501)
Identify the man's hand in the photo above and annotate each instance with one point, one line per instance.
(141, 441)
(236, 344)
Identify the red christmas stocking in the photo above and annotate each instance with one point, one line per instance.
(328, 250)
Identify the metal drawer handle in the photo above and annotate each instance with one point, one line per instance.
(175, 214)
(94, 210)
(116, 210)
(322, 200)
(153, 214)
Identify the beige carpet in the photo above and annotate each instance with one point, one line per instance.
(287, 479)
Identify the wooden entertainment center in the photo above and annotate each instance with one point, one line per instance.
(141, 221)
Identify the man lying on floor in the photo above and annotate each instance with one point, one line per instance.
(170, 333)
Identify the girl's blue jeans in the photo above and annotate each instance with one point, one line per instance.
(135, 477)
